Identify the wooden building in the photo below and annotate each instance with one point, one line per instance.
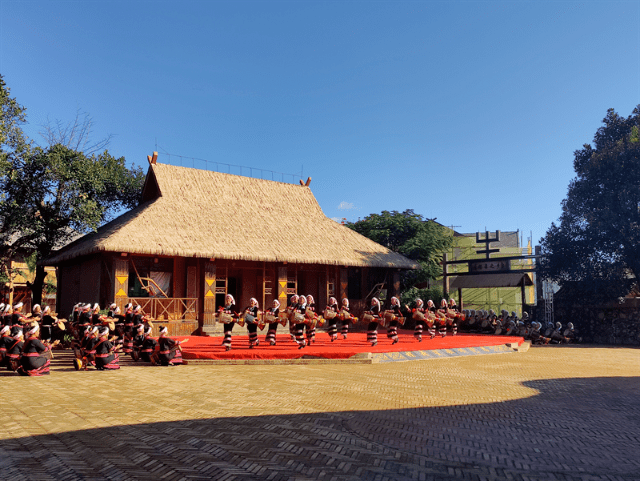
(199, 235)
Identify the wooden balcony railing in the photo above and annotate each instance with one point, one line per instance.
(170, 309)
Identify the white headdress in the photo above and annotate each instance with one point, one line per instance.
(253, 300)
(233, 301)
(34, 329)
(310, 299)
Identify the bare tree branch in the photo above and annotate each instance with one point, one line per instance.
(75, 134)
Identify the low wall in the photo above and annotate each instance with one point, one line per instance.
(606, 324)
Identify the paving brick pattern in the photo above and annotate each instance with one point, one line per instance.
(550, 413)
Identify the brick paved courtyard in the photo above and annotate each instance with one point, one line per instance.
(556, 413)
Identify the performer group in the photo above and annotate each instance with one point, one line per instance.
(26, 341)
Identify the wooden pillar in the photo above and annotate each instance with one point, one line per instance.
(344, 283)
(461, 305)
(121, 282)
(192, 289)
(208, 317)
(282, 286)
(445, 277)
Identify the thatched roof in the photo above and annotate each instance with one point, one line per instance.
(194, 213)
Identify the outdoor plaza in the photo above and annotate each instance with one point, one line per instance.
(547, 413)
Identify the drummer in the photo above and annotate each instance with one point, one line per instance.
(301, 309)
(311, 328)
(229, 302)
(344, 329)
(2, 321)
(273, 326)
(33, 361)
(170, 353)
(95, 315)
(392, 329)
(293, 303)
(105, 355)
(252, 325)
(127, 343)
(455, 311)
(417, 331)
(372, 328)
(332, 327)
(84, 319)
(441, 319)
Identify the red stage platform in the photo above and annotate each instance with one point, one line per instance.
(355, 344)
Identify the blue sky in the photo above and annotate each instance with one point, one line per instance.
(466, 111)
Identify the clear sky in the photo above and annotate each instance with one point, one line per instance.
(466, 111)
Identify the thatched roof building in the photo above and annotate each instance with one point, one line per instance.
(202, 227)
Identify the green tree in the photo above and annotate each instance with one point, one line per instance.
(51, 195)
(411, 235)
(594, 248)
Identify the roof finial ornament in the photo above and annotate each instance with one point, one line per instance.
(152, 160)
(307, 184)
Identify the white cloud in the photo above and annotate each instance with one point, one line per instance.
(345, 205)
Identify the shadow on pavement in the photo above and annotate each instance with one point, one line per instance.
(582, 429)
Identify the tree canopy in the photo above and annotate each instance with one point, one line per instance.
(595, 245)
(49, 195)
(411, 235)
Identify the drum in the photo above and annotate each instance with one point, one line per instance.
(225, 317)
(270, 318)
(401, 320)
(283, 317)
(310, 314)
(251, 319)
(298, 318)
(418, 316)
(345, 315)
(389, 317)
(330, 314)
(367, 318)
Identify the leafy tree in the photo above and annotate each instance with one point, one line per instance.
(51, 195)
(594, 248)
(411, 235)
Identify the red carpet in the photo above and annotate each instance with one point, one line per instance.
(211, 347)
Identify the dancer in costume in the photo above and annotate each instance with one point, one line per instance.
(344, 328)
(392, 329)
(374, 320)
(310, 314)
(229, 302)
(331, 314)
(273, 326)
(251, 319)
(300, 310)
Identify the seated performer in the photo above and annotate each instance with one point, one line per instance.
(5, 342)
(138, 340)
(251, 320)
(372, 327)
(344, 328)
(14, 349)
(96, 318)
(331, 314)
(273, 326)
(33, 361)
(106, 357)
(170, 352)
(147, 353)
(2, 321)
(127, 343)
(392, 329)
(229, 302)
